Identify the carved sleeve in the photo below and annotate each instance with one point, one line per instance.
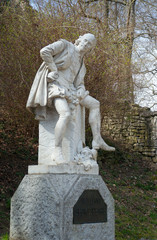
(49, 51)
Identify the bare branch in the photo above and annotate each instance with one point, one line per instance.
(153, 71)
(144, 35)
(22, 77)
(88, 16)
(115, 1)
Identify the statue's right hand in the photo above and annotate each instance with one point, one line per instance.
(52, 76)
(55, 91)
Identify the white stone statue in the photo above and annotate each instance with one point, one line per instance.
(59, 86)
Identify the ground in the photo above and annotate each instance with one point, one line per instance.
(132, 183)
(131, 180)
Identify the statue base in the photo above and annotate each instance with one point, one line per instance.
(69, 168)
(62, 207)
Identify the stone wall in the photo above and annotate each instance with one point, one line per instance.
(135, 127)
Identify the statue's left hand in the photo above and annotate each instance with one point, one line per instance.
(52, 76)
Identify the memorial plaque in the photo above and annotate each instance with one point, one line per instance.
(90, 208)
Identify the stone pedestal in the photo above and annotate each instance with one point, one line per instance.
(62, 207)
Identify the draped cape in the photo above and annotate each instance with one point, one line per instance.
(37, 100)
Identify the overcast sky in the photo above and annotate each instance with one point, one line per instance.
(145, 54)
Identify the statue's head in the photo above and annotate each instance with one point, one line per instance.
(86, 42)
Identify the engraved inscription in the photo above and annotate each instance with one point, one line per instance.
(90, 208)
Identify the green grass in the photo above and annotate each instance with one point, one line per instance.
(136, 215)
(5, 237)
(134, 226)
(148, 186)
(133, 186)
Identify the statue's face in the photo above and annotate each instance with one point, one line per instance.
(85, 43)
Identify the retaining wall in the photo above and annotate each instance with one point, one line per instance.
(135, 127)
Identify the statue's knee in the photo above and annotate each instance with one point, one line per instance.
(92, 120)
(97, 104)
(66, 115)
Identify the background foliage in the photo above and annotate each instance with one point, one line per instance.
(116, 24)
(25, 31)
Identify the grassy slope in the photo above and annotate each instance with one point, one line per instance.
(130, 180)
(132, 183)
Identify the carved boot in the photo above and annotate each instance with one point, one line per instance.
(100, 144)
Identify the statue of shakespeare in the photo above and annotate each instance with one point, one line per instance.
(59, 82)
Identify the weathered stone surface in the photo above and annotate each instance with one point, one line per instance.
(42, 208)
(137, 127)
(155, 159)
